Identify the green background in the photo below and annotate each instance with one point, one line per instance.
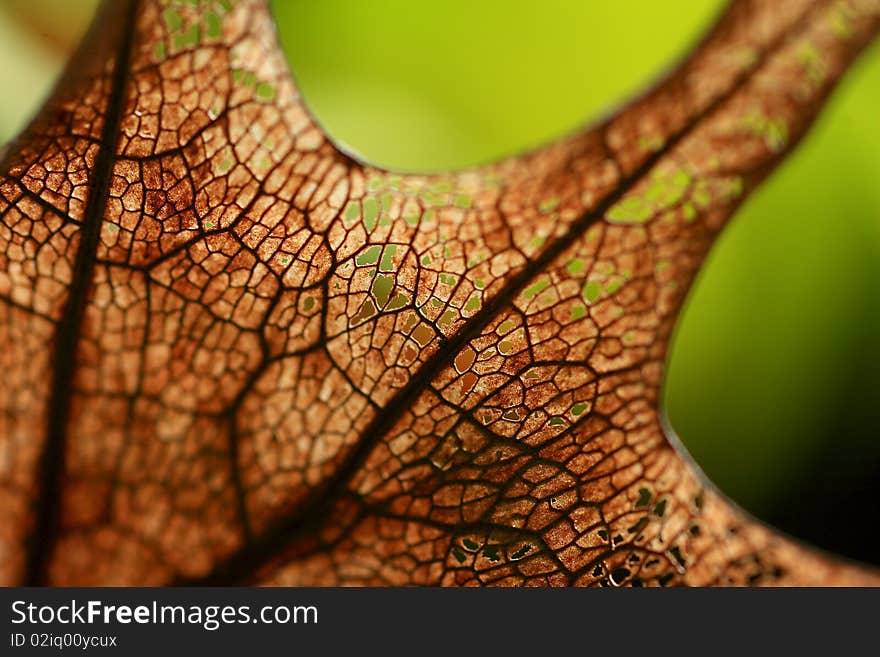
(772, 383)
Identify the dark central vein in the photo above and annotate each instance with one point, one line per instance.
(52, 466)
(242, 565)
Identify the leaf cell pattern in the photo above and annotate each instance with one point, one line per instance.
(236, 354)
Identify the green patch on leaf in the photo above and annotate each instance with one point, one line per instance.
(352, 212)
(536, 288)
(399, 301)
(463, 201)
(387, 263)
(265, 91)
(172, 19)
(841, 22)
(506, 327)
(773, 131)
(631, 210)
(592, 291)
(667, 189)
(612, 285)
(381, 289)
(213, 29)
(812, 62)
(575, 266)
(369, 257)
(548, 205)
(189, 38)
(651, 142)
(473, 303)
(371, 213)
(449, 316)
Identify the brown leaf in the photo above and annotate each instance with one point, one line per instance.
(236, 355)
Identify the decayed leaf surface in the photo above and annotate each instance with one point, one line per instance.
(234, 354)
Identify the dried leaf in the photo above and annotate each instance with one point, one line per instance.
(237, 355)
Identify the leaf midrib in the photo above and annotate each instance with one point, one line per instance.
(52, 465)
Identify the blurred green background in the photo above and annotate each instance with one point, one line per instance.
(772, 384)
